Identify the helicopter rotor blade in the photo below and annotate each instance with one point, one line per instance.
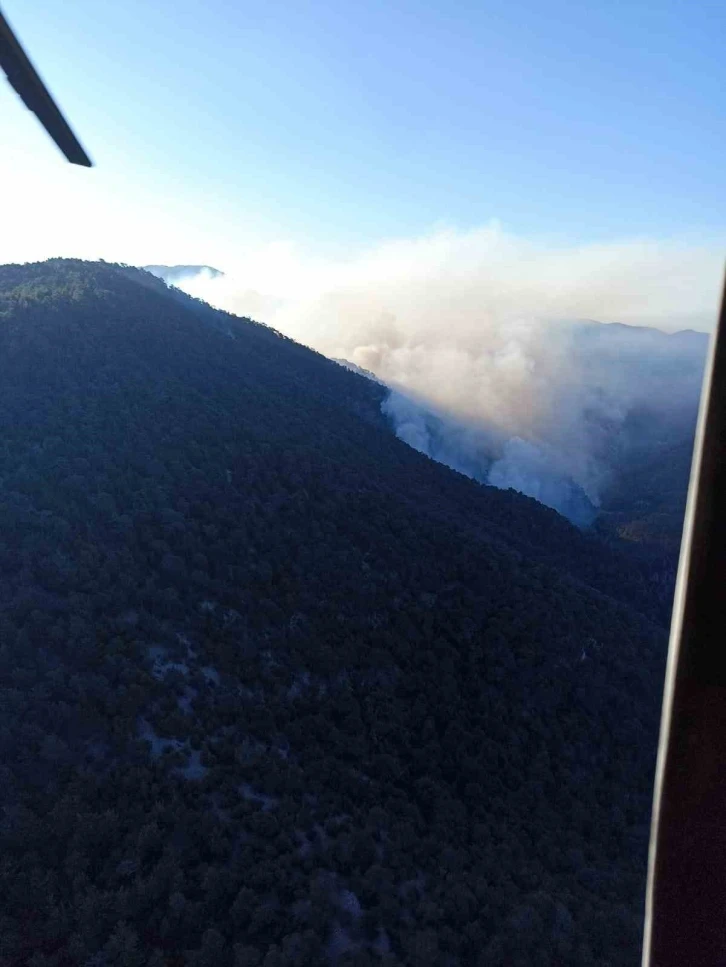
(35, 95)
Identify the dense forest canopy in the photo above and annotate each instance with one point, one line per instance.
(277, 689)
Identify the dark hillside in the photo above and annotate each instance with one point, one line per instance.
(647, 502)
(275, 689)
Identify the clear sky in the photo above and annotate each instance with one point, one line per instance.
(221, 126)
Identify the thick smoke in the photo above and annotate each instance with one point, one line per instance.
(481, 336)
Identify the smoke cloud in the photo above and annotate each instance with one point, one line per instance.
(485, 340)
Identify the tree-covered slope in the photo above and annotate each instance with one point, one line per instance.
(646, 502)
(275, 689)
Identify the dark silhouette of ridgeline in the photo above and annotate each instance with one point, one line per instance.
(278, 689)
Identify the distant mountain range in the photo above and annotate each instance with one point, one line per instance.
(279, 690)
(173, 274)
(646, 447)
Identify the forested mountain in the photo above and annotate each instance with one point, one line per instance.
(647, 502)
(277, 689)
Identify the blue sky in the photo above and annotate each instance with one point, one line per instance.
(337, 125)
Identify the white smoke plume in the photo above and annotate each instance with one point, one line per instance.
(474, 331)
